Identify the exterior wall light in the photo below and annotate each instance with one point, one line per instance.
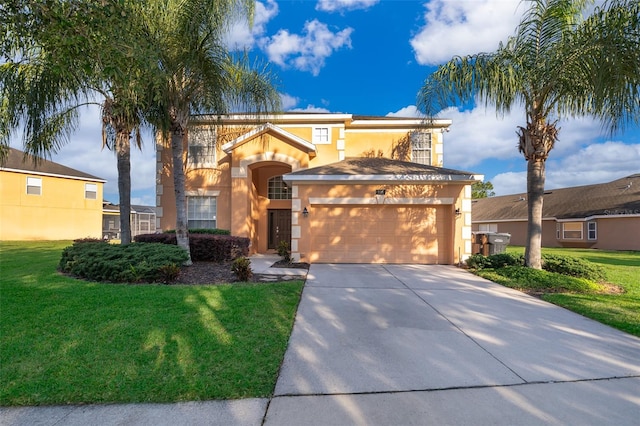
(458, 213)
(305, 212)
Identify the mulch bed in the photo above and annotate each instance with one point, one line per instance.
(220, 273)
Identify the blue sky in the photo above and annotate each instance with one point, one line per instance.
(370, 57)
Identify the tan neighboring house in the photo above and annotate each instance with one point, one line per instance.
(336, 187)
(600, 216)
(48, 201)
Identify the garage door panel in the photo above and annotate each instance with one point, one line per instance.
(381, 234)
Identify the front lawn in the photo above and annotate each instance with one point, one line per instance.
(66, 341)
(622, 268)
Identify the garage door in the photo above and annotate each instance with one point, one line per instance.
(381, 234)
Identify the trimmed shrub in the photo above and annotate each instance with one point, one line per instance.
(539, 280)
(478, 261)
(212, 231)
(574, 267)
(242, 268)
(205, 247)
(133, 263)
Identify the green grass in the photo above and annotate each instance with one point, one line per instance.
(66, 341)
(622, 268)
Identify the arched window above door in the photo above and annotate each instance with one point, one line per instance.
(277, 189)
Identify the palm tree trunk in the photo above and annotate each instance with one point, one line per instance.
(123, 155)
(182, 234)
(535, 194)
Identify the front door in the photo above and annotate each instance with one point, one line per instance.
(279, 227)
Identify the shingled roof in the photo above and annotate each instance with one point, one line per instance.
(620, 196)
(382, 169)
(19, 162)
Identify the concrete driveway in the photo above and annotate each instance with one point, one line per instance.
(413, 344)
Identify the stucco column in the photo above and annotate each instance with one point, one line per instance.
(240, 209)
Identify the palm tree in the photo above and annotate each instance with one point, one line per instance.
(557, 65)
(64, 57)
(200, 75)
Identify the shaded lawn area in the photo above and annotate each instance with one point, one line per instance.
(621, 311)
(66, 341)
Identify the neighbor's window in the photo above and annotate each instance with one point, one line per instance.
(488, 227)
(278, 189)
(572, 230)
(201, 212)
(321, 135)
(90, 191)
(592, 231)
(202, 147)
(34, 186)
(421, 147)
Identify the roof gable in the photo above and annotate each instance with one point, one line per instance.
(380, 169)
(297, 141)
(18, 161)
(621, 196)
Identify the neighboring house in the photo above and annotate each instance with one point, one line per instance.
(336, 187)
(47, 201)
(143, 220)
(601, 216)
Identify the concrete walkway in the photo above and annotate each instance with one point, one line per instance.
(416, 345)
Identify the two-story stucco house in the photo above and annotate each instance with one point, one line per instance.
(48, 201)
(336, 187)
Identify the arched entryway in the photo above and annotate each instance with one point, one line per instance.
(270, 205)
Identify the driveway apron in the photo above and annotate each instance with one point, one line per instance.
(425, 344)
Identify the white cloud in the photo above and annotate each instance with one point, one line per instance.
(342, 5)
(408, 111)
(477, 135)
(242, 36)
(454, 27)
(306, 52)
(311, 108)
(288, 101)
(596, 163)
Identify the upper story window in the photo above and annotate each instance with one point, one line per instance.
(90, 191)
(572, 230)
(278, 189)
(34, 186)
(321, 135)
(202, 147)
(421, 147)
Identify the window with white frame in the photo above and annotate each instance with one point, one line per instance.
(201, 147)
(488, 227)
(34, 186)
(277, 189)
(592, 231)
(572, 230)
(321, 135)
(421, 147)
(201, 212)
(90, 191)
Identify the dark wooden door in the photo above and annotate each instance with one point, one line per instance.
(279, 227)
